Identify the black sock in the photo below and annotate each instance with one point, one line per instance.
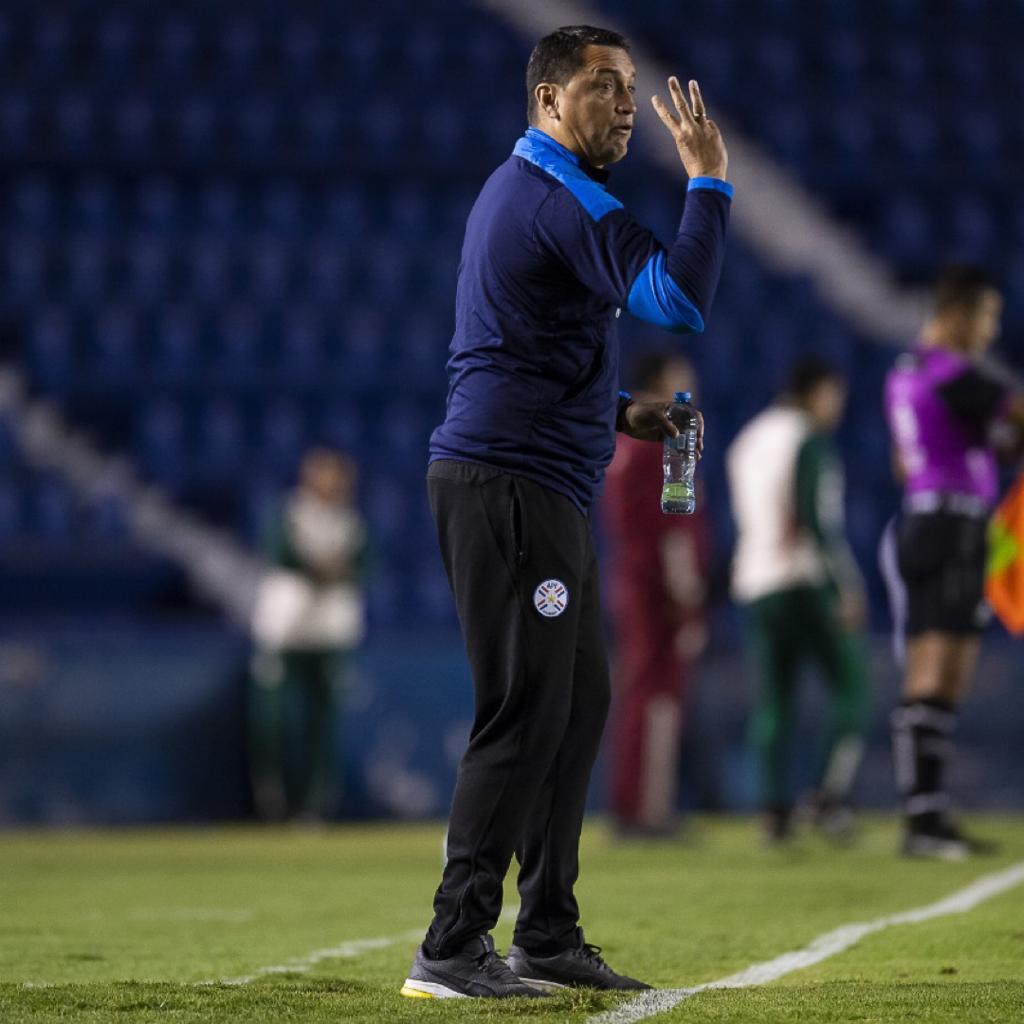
(922, 738)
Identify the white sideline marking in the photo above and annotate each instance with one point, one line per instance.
(225, 916)
(304, 964)
(824, 946)
(343, 951)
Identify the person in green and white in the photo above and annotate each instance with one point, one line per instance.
(797, 579)
(308, 617)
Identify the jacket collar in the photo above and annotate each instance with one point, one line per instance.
(535, 143)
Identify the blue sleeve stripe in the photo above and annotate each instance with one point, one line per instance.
(656, 298)
(714, 184)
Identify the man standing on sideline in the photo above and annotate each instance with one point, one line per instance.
(550, 258)
(795, 574)
(658, 568)
(942, 403)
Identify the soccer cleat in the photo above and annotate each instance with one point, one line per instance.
(582, 967)
(834, 819)
(777, 826)
(946, 842)
(475, 972)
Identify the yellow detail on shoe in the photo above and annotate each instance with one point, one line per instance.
(415, 993)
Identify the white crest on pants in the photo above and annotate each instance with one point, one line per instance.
(551, 598)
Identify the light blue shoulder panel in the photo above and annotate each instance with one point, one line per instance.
(542, 151)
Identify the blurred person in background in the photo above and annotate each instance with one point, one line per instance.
(803, 594)
(658, 572)
(550, 260)
(943, 406)
(308, 616)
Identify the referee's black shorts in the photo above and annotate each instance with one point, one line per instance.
(941, 556)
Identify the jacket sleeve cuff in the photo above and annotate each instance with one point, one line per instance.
(625, 400)
(714, 184)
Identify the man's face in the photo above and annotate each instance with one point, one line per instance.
(826, 403)
(329, 477)
(678, 375)
(981, 322)
(597, 106)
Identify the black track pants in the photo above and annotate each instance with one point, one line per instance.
(520, 560)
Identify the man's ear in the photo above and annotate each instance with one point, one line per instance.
(546, 96)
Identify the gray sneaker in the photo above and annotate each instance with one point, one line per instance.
(475, 972)
(582, 967)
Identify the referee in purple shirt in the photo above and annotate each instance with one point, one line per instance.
(550, 260)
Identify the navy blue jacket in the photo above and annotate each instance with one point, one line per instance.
(549, 260)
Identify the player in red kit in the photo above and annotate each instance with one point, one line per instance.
(657, 587)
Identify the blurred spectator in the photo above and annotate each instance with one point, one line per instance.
(796, 576)
(308, 615)
(657, 582)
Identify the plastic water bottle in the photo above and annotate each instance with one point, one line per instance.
(678, 496)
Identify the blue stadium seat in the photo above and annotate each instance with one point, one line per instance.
(87, 268)
(175, 46)
(9, 454)
(323, 272)
(75, 119)
(362, 347)
(33, 202)
(222, 437)
(220, 206)
(176, 343)
(158, 203)
(116, 355)
(339, 425)
(134, 126)
(322, 125)
(10, 511)
(209, 267)
(161, 442)
(106, 518)
(19, 122)
(240, 45)
(94, 205)
(302, 348)
(282, 436)
(51, 42)
(52, 515)
(301, 47)
(195, 126)
(148, 268)
(972, 228)
(906, 229)
(51, 360)
(26, 269)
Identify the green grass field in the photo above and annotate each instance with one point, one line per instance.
(127, 926)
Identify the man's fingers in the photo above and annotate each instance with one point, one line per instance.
(670, 429)
(697, 100)
(666, 115)
(680, 101)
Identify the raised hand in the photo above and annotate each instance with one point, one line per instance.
(697, 137)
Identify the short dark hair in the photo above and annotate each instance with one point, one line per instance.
(961, 286)
(809, 373)
(558, 56)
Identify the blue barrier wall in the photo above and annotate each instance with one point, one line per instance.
(123, 720)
